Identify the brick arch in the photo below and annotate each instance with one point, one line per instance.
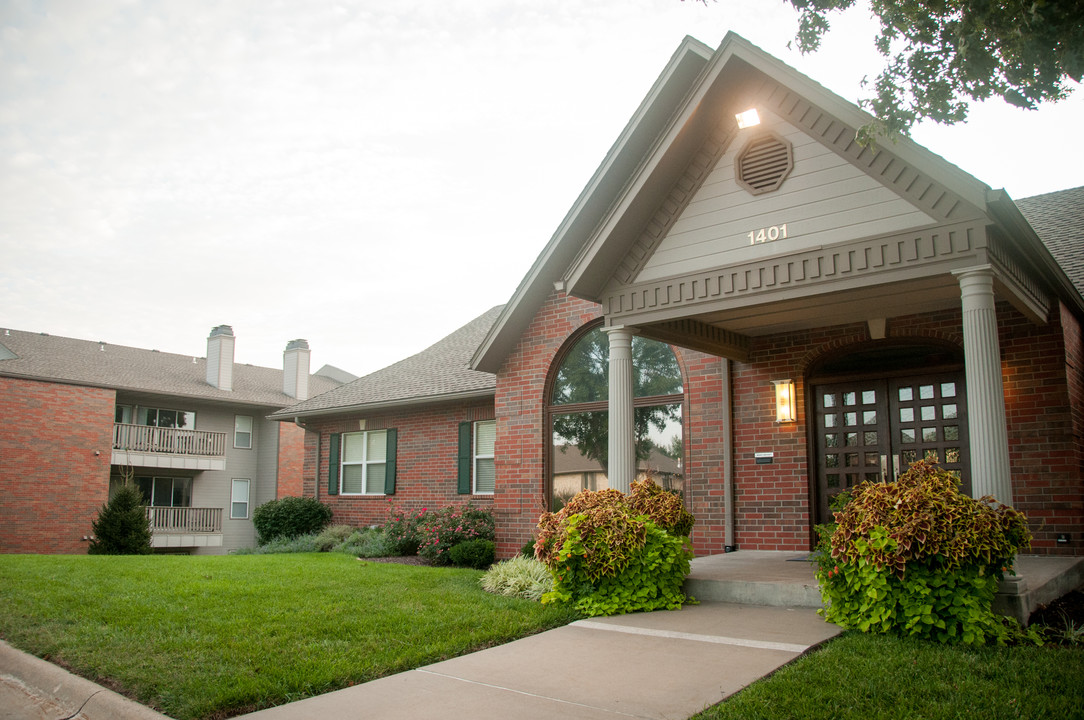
(858, 340)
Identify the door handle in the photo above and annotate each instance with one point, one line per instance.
(884, 468)
(896, 466)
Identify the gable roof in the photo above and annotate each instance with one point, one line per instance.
(1058, 220)
(51, 358)
(439, 373)
(696, 90)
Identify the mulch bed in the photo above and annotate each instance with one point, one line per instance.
(1065, 612)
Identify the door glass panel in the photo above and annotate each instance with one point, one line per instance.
(833, 481)
(831, 460)
(906, 394)
(931, 455)
(831, 440)
(952, 455)
(851, 459)
(952, 432)
(909, 456)
(948, 390)
(907, 435)
(925, 392)
(872, 477)
(873, 459)
(850, 419)
(870, 437)
(929, 412)
(852, 479)
(948, 412)
(869, 397)
(829, 400)
(929, 434)
(852, 439)
(907, 415)
(869, 417)
(830, 420)
(850, 398)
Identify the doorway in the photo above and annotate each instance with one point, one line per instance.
(874, 428)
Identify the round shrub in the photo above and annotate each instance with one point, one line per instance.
(917, 557)
(443, 529)
(477, 554)
(519, 577)
(663, 507)
(608, 558)
(289, 517)
(332, 537)
(122, 526)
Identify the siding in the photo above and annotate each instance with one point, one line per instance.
(825, 200)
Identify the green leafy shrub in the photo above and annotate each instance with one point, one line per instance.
(606, 557)
(528, 549)
(289, 517)
(519, 577)
(332, 537)
(477, 554)
(443, 529)
(401, 530)
(917, 557)
(122, 526)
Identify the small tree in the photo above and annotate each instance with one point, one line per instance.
(122, 527)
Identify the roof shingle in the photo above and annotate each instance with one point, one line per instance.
(1058, 220)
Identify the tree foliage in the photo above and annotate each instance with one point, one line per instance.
(942, 54)
(122, 527)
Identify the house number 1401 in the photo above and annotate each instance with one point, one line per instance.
(768, 234)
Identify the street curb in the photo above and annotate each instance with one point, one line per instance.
(70, 691)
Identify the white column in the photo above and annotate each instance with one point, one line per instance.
(987, 430)
(622, 439)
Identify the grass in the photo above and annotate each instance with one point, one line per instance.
(215, 636)
(859, 676)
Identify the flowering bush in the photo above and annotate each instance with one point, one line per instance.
(443, 529)
(401, 530)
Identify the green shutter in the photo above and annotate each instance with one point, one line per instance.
(333, 465)
(389, 462)
(464, 458)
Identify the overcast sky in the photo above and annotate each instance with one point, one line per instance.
(366, 175)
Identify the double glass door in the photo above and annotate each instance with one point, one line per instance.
(875, 429)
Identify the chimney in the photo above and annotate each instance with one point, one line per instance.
(295, 369)
(220, 357)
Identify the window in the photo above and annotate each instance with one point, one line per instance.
(242, 431)
(123, 414)
(578, 416)
(166, 491)
(156, 417)
(485, 474)
(239, 500)
(364, 462)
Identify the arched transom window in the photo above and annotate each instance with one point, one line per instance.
(578, 418)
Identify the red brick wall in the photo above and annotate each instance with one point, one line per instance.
(426, 460)
(291, 464)
(51, 482)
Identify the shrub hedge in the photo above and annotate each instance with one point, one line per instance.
(289, 517)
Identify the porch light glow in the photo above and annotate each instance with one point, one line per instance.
(749, 118)
(784, 400)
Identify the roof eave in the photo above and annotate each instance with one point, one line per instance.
(288, 415)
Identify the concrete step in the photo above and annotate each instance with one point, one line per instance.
(755, 577)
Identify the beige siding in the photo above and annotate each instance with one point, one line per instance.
(825, 200)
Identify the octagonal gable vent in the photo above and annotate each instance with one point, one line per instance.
(764, 163)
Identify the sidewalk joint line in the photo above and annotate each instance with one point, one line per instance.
(675, 635)
(528, 694)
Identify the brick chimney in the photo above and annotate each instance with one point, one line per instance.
(220, 357)
(295, 369)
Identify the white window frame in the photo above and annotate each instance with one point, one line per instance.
(476, 456)
(234, 501)
(239, 430)
(365, 463)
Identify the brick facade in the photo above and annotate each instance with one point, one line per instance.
(291, 462)
(426, 477)
(54, 464)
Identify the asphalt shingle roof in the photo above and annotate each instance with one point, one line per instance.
(1058, 220)
(40, 356)
(441, 370)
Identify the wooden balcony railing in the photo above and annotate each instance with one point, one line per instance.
(185, 519)
(172, 441)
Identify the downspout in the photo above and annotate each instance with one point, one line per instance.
(728, 456)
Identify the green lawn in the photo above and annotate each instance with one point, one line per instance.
(212, 636)
(859, 676)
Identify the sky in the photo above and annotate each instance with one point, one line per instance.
(368, 176)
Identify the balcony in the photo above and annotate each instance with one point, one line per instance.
(185, 527)
(176, 448)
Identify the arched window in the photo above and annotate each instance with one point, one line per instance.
(578, 419)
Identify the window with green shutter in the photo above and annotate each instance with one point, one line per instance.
(367, 463)
(485, 473)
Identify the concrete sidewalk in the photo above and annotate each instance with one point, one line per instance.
(649, 665)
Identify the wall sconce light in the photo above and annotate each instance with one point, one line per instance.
(749, 118)
(784, 401)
